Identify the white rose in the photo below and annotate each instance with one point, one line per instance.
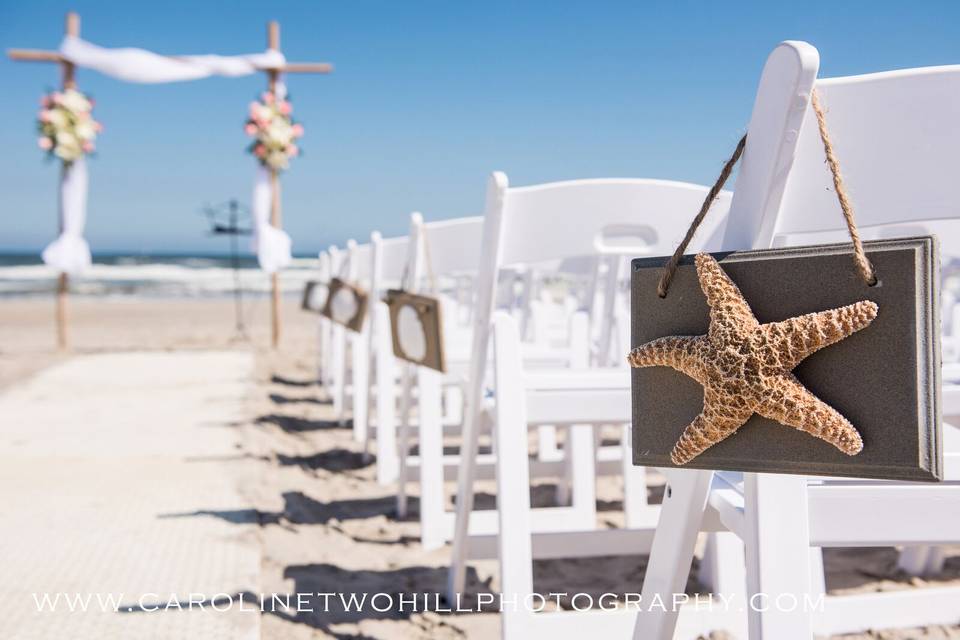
(75, 101)
(277, 160)
(85, 130)
(280, 132)
(58, 118)
(68, 146)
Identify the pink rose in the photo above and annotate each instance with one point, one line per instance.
(297, 130)
(56, 97)
(44, 116)
(259, 150)
(45, 102)
(267, 97)
(250, 129)
(293, 150)
(87, 146)
(45, 144)
(285, 108)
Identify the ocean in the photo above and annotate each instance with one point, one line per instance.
(146, 275)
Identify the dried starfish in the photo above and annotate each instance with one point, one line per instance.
(745, 367)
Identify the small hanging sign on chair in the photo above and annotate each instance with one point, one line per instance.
(784, 361)
(417, 328)
(314, 296)
(346, 304)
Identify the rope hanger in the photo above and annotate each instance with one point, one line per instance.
(859, 256)
(405, 285)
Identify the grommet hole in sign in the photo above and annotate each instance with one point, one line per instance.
(343, 307)
(410, 333)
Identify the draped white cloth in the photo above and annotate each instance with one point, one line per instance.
(271, 245)
(70, 253)
(139, 65)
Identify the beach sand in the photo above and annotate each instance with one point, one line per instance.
(324, 523)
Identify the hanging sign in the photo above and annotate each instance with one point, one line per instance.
(417, 329)
(784, 361)
(346, 304)
(314, 296)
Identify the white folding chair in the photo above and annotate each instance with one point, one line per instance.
(895, 134)
(324, 271)
(350, 347)
(530, 225)
(387, 259)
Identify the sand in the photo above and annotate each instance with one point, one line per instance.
(324, 523)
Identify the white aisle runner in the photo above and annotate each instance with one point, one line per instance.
(120, 474)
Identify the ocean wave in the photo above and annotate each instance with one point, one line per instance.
(133, 276)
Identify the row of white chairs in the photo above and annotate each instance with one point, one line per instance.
(521, 361)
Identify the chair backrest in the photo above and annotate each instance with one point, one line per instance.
(896, 135)
(323, 268)
(387, 260)
(359, 259)
(453, 246)
(584, 217)
(336, 259)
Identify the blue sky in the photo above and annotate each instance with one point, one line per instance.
(427, 98)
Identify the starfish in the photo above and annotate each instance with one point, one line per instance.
(745, 367)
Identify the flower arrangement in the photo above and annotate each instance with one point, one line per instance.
(66, 125)
(273, 130)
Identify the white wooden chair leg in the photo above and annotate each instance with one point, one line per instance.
(387, 457)
(818, 579)
(638, 512)
(584, 474)
(361, 393)
(671, 554)
(565, 481)
(337, 370)
(453, 403)
(938, 557)
(913, 560)
(513, 479)
(723, 568)
(777, 541)
(403, 447)
(323, 348)
(432, 529)
(922, 561)
(547, 448)
(575, 464)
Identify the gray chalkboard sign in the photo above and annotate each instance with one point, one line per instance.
(884, 379)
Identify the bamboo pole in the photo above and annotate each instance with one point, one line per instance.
(72, 28)
(273, 42)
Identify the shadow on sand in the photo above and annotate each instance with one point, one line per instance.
(359, 586)
(293, 424)
(290, 382)
(333, 460)
(300, 509)
(276, 398)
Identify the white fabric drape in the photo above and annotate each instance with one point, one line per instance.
(271, 245)
(70, 253)
(139, 65)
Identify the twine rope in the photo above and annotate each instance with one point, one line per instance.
(405, 283)
(859, 255)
